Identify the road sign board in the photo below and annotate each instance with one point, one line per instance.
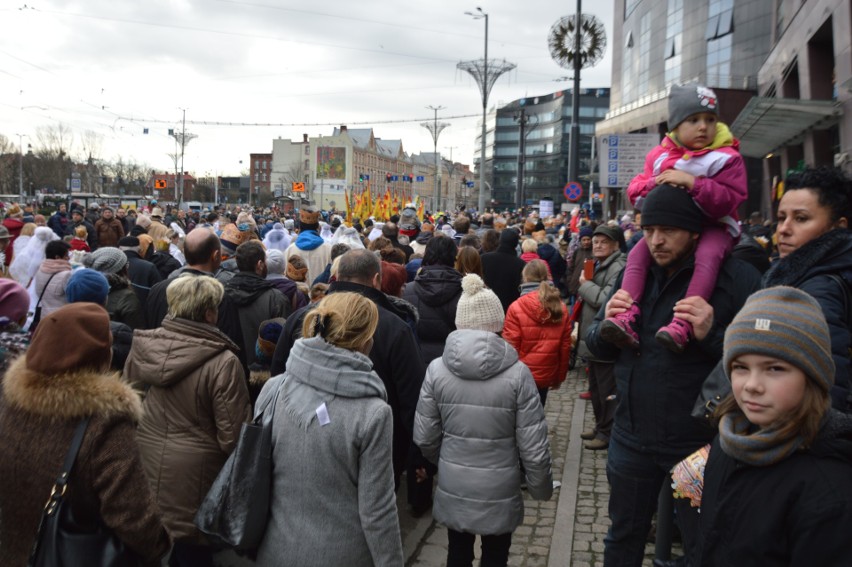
(573, 191)
(623, 157)
(298, 187)
(420, 178)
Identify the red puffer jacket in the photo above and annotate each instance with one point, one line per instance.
(543, 347)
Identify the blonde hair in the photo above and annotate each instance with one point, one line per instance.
(81, 232)
(318, 291)
(346, 320)
(548, 295)
(191, 297)
(161, 245)
(28, 229)
(529, 245)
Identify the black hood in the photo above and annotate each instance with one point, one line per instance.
(424, 237)
(437, 285)
(245, 287)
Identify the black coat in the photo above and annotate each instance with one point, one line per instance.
(143, 275)
(435, 292)
(396, 359)
(557, 264)
(501, 271)
(794, 513)
(656, 388)
(165, 263)
(819, 268)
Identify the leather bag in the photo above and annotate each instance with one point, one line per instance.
(236, 509)
(63, 541)
(716, 387)
(37, 313)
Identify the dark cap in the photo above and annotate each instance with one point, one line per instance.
(667, 205)
(612, 232)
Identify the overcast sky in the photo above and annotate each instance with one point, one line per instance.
(116, 67)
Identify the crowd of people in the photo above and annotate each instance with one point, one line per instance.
(425, 349)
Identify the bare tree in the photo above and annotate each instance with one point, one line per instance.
(54, 141)
(6, 146)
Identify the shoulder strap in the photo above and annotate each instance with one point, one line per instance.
(76, 442)
(44, 289)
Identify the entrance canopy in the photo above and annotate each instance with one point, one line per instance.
(767, 124)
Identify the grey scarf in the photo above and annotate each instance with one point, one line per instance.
(756, 447)
(317, 372)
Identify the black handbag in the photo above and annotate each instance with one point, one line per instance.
(62, 541)
(235, 511)
(37, 313)
(716, 387)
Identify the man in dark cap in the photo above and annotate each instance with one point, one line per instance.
(502, 268)
(77, 219)
(653, 428)
(142, 273)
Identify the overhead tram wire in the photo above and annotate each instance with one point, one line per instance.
(294, 125)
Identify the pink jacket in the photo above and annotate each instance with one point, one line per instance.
(720, 184)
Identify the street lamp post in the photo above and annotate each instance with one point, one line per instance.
(485, 77)
(435, 128)
(21, 166)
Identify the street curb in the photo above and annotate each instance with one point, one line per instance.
(562, 544)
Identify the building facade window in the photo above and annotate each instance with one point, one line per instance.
(719, 36)
(257, 176)
(627, 70)
(674, 41)
(644, 63)
(264, 165)
(307, 150)
(257, 164)
(263, 177)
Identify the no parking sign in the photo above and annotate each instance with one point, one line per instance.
(573, 191)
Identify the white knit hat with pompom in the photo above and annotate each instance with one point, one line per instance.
(479, 308)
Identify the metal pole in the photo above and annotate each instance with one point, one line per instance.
(574, 145)
(21, 167)
(182, 146)
(522, 123)
(485, 89)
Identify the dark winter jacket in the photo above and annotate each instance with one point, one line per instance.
(91, 236)
(122, 340)
(57, 222)
(396, 359)
(122, 304)
(435, 292)
(556, 263)
(143, 275)
(820, 268)
(656, 387)
(501, 269)
(289, 288)
(255, 300)
(165, 264)
(794, 513)
(573, 279)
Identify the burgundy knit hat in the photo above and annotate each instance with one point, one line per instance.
(14, 300)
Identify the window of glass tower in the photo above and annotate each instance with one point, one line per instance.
(719, 35)
(674, 41)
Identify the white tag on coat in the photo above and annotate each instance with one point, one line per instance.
(322, 415)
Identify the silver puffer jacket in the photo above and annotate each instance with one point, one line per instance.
(479, 414)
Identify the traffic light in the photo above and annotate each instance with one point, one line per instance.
(410, 178)
(388, 177)
(361, 177)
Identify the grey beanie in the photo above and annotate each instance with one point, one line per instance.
(479, 308)
(107, 260)
(667, 205)
(784, 323)
(686, 100)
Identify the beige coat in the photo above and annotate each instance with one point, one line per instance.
(38, 415)
(196, 404)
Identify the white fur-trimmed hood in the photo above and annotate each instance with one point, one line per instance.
(70, 395)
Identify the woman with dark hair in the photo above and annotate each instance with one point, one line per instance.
(469, 261)
(435, 293)
(52, 277)
(815, 255)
